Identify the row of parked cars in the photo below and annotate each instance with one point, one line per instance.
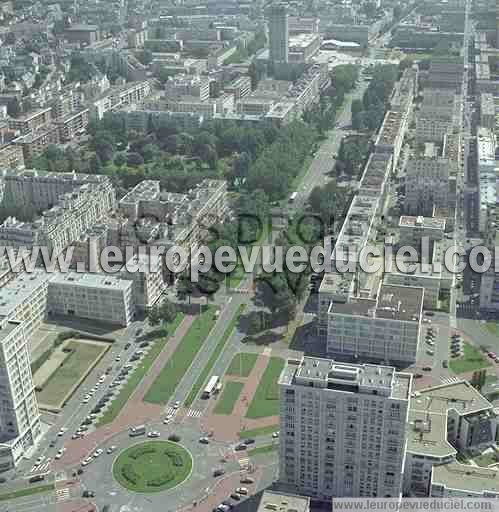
(236, 496)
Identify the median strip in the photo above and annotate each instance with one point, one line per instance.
(172, 373)
(214, 356)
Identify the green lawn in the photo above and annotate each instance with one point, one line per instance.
(242, 364)
(228, 398)
(28, 491)
(486, 459)
(76, 365)
(203, 377)
(152, 466)
(167, 381)
(266, 399)
(471, 360)
(268, 448)
(493, 327)
(138, 374)
(255, 432)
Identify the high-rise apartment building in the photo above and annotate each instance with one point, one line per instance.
(342, 428)
(19, 415)
(278, 32)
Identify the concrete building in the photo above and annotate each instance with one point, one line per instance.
(278, 21)
(188, 85)
(171, 219)
(342, 428)
(413, 229)
(24, 299)
(486, 164)
(81, 33)
(71, 203)
(443, 421)
(361, 223)
(19, 414)
(72, 124)
(303, 47)
(487, 111)
(146, 273)
(35, 143)
(455, 480)
(437, 115)
(239, 87)
(11, 156)
(385, 329)
(31, 121)
(98, 297)
(427, 185)
(273, 501)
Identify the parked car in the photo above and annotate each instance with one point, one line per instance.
(240, 447)
(445, 363)
(249, 441)
(88, 494)
(218, 472)
(242, 490)
(127, 346)
(111, 449)
(235, 496)
(275, 435)
(247, 480)
(204, 440)
(153, 434)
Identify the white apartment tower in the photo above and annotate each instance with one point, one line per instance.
(278, 19)
(19, 415)
(342, 428)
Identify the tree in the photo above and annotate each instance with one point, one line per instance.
(162, 313)
(357, 117)
(478, 379)
(135, 159)
(95, 164)
(120, 160)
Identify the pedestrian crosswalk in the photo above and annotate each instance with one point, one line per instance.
(194, 413)
(171, 411)
(41, 468)
(62, 494)
(244, 463)
(449, 380)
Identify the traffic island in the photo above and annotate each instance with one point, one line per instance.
(152, 466)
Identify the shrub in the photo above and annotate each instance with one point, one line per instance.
(175, 458)
(161, 480)
(130, 474)
(141, 451)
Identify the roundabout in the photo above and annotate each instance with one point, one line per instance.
(152, 466)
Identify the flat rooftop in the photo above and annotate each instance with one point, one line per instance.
(20, 289)
(464, 477)
(356, 378)
(280, 502)
(87, 280)
(408, 221)
(429, 408)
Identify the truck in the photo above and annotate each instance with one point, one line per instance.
(138, 430)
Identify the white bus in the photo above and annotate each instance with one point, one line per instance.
(211, 386)
(292, 197)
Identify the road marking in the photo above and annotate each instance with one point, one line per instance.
(62, 494)
(40, 468)
(244, 463)
(449, 380)
(194, 413)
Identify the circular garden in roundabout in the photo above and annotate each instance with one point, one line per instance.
(152, 466)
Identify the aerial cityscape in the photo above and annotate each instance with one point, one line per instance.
(248, 255)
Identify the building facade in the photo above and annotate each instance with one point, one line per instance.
(342, 428)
